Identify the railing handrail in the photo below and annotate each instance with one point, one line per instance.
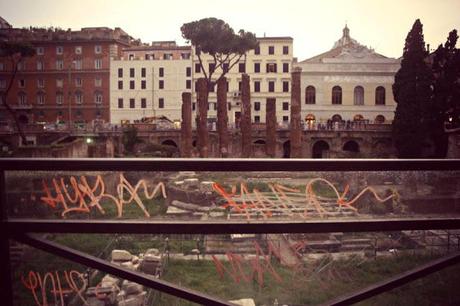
(225, 165)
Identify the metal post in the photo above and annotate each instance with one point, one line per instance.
(5, 269)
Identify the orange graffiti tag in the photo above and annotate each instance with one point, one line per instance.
(86, 197)
(39, 286)
(288, 200)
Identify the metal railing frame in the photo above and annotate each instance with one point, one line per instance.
(21, 229)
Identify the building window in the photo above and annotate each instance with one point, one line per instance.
(98, 98)
(161, 72)
(310, 95)
(185, 55)
(212, 67)
(358, 95)
(285, 50)
(132, 72)
(41, 98)
(380, 95)
(143, 72)
(242, 67)
(229, 106)
(257, 50)
(271, 50)
(271, 67)
(132, 103)
(147, 56)
(271, 86)
(40, 50)
(240, 85)
(256, 67)
(193, 106)
(285, 86)
(22, 98)
(167, 56)
(2, 83)
(59, 50)
(98, 82)
(120, 84)
(161, 103)
(39, 65)
(131, 84)
(256, 119)
(120, 72)
(78, 82)
(285, 106)
(59, 83)
(22, 83)
(78, 50)
(98, 49)
(78, 64)
(120, 102)
(188, 71)
(131, 57)
(22, 65)
(336, 95)
(257, 106)
(143, 84)
(257, 86)
(2, 66)
(98, 63)
(196, 86)
(59, 98)
(59, 64)
(197, 68)
(379, 119)
(188, 84)
(78, 97)
(286, 67)
(40, 83)
(161, 84)
(285, 118)
(143, 103)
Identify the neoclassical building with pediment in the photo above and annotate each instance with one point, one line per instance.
(350, 82)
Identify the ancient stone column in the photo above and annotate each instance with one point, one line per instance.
(296, 129)
(222, 117)
(246, 139)
(186, 125)
(202, 117)
(270, 123)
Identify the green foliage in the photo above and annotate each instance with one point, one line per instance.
(446, 92)
(130, 138)
(216, 37)
(18, 49)
(412, 92)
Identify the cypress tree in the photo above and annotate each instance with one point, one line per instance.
(446, 92)
(412, 92)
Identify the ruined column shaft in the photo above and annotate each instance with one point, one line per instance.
(222, 117)
(186, 125)
(295, 128)
(202, 117)
(246, 139)
(270, 123)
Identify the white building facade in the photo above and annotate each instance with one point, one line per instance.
(269, 68)
(348, 83)
(143, 87)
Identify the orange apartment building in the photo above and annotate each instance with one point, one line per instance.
(68, 78)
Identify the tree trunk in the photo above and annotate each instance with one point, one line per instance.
(296, 129)
(246, 139)
(222, 117)
(202, 118)
(270, 123)
(186, 125)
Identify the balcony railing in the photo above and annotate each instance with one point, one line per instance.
(22, 229)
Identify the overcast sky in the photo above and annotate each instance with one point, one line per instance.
(314, 25)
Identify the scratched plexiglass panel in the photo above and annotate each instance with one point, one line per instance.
(231, 195)
(292, 269)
